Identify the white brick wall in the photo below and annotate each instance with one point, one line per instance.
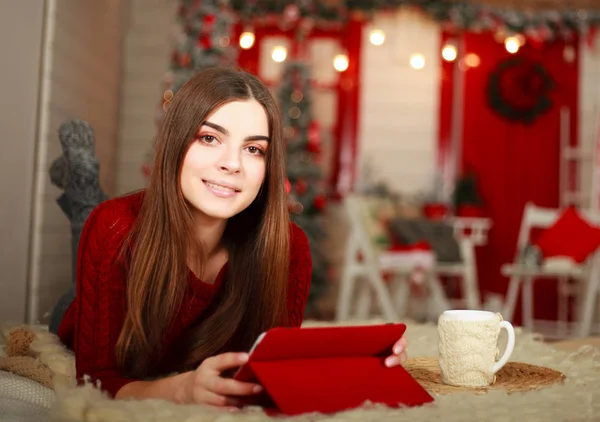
(147, 52)
(82, 79)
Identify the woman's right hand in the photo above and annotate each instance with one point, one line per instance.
(205, 385)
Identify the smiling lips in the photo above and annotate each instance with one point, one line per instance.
(222, 189)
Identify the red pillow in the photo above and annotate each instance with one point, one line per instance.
(570, 236)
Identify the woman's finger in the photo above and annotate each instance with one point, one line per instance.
(395, 360)
(400, 346)
(224, 361)
(231, 387)
(211, 399)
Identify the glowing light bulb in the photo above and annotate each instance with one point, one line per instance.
(279, 54)
(417, 61)
(449, 53)
(246, 40)
(472, 60)
(377, 37)
(340, 62)
(512, 44)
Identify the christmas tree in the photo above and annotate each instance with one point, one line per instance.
(201, 39)
(306, 189)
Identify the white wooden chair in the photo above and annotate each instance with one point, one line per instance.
(392, 298)
(523, 276)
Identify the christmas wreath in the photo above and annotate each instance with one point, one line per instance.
(518, 89)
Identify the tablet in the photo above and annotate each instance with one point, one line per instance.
(282, 343)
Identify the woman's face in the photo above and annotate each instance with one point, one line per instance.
(224, 167)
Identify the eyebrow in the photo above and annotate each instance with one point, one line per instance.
(225, 132)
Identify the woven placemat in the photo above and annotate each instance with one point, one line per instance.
(513, 377)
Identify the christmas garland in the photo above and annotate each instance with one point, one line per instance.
(518, 89)
(544, 25)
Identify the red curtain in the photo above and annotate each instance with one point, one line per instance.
(514, 162)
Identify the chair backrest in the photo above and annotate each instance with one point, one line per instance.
(536, 217)
(363, 214)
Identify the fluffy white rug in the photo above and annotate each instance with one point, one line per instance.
(578, 399)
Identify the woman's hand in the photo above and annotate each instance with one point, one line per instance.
(399, 355)
(205, 385)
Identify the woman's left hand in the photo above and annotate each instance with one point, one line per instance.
(399, 355)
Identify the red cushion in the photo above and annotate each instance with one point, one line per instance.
(570, 236)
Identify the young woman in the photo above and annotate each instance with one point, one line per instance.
(182, 277)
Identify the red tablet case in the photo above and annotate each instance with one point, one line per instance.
(330, 369)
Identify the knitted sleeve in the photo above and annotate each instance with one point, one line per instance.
(99, 308)
(300, 275)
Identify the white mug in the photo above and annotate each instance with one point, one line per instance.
(468, 347)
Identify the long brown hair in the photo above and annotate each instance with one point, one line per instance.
(252, 299)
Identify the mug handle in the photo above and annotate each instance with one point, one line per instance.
(509, 346)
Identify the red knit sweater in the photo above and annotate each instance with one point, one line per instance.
(92, 323)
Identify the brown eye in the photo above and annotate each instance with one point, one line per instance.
(255, 151)
(208, 139)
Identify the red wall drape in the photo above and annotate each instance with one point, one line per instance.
(514, 162)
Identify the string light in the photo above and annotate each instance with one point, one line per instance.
(417, 61)
(340, 62)
(377, 37)
(512, 44)
(246, 40)
(449, 53)
(279, 54)
(472, 60)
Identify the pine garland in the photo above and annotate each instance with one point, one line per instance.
(545, 24)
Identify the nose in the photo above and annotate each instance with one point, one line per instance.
(230, 161)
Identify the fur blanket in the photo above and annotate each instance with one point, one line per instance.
(577, 399)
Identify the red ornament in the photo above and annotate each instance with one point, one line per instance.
(301, 187)
(288, 186)
(314, 147)
(210, 20)
(205, 41)
(314, 138)
(185, 60)
(319, 202)
(314, 132)
(291, 13)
